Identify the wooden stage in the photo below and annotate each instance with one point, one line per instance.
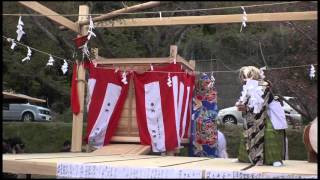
(46, 164)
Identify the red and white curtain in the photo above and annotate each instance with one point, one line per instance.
(163, 112)
(105, 100)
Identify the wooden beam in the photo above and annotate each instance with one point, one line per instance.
(210, 19)
(8, 95)
(127, 61)
(101, 60)
(35, 6)
(77, 122)
(118, 12)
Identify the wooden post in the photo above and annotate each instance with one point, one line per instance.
(173, 51)
(77, 123)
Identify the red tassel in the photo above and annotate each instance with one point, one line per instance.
(80, 41)
(75, 104)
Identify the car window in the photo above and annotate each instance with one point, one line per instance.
(5, 106)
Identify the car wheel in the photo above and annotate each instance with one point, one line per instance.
(28, 116)
(229, 120)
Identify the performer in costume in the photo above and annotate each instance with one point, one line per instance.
(263, 139)
(204, 134)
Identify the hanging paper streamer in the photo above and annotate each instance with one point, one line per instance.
(312, 72)
(90, 30)
(212, 79)
(64, 67)
(85, 50)
(151, 67)
(20, 31)
(50, 61)
(13, 45)
(160, 15)
(28, 55)
(124, 78)
(262, 76)
(244, 19)
(169, 83)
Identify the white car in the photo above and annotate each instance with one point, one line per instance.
(232, 115)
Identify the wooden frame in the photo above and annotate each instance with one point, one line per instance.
(210, 19)
(81, 28)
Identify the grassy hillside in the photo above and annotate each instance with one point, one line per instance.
(49, 137)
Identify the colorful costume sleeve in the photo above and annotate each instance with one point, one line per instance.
(204, 134)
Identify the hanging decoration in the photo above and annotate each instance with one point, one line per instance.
(262, 76)
(160, 15)
(64, 67)
(169, 83)
(212, 80)
(90, 31)
(13, 45)
(124, 78)
(28, 55)
(244, 18)
(20, 31)
(50, 61)
(312, 72)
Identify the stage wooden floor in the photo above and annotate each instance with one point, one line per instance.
(46, 164)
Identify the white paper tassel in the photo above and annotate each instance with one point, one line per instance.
(262, 76)
(160, 15)
(90, 30)
(151, 67)
(85, 50)
(20, 31)
(124, 78)
(244, 18)
(312, 72)
(210, 85)
(64, 67)
(169, 83)
(28, 55)
(50, 61)
(13, 45)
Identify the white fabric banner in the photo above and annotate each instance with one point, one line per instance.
(154, 116)
(97, 135)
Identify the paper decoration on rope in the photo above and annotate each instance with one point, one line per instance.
(85, 50)
(20, 31)
(160, 15)
(312, 72)
(50, 61)
(244, 18)
(28, 55)
(151, 67)
(212, 79)
(124, 78)
(13, 45)
(169, 83)
(262, 76)
(254, 92)
(64, 67)
(90, 30)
